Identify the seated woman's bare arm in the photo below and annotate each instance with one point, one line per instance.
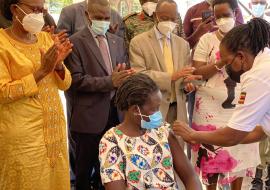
(183, 166)
(119, 185)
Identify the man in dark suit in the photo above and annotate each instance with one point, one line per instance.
(97, 68)
(72, 19)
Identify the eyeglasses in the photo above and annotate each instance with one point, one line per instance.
(34, 9)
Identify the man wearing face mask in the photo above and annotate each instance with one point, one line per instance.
(163, 56)
(258, 9)
(137, 23)
(97, 65)
(72, 19)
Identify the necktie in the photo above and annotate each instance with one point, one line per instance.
(105, 54)
(167, 53)
(106, 57)
(168, 58)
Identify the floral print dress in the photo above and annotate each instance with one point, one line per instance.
(144, 162)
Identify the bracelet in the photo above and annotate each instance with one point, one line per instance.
(217, 68)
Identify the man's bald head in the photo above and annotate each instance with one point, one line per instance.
(160, 4)
(145, 1)
(99, 9)
(166, 11)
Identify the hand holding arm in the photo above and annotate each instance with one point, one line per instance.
(220, 137)
(207, 70)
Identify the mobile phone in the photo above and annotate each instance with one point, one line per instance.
(206, 14)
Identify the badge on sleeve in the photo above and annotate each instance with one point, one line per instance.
(242, 98)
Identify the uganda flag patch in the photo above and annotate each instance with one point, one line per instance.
(242, 98)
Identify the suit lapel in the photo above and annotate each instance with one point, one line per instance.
(91, 43)
(156, 47)
(113, 48)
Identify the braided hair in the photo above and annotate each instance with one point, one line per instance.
(135, 91)
(253, 37)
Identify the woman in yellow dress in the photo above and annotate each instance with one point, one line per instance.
(33, 141)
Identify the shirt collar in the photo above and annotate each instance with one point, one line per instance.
(159, 35)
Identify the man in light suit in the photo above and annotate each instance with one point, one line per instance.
(164, 56)
(72, 19)
(96, 74)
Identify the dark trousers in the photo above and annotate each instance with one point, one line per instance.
(86, 155)
(191, 103)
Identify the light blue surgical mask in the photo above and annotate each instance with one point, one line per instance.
(258, 10)
(100, 27)
(155, 120)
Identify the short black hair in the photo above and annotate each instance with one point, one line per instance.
(135, 91)
(93, 3)
(253, 37)
(160, 2)
(5, 8)
(232, 3)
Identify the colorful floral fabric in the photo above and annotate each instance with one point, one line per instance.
(144, 162)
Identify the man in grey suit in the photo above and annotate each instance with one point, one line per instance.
(73, 19)
(95, 65)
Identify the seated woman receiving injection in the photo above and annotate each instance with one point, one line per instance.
(142, 153)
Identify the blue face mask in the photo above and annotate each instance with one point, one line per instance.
(258, 10)
(155, 120)
(100, 27)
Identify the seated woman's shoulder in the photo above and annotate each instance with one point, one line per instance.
(112, 134)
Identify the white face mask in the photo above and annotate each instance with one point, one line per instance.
(149, 8)
(166, 27)
(33, 22)
(225, 24)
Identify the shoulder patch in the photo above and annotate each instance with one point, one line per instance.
(242, 98)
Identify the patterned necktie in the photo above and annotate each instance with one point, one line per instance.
(167, 53)
(105, 54)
